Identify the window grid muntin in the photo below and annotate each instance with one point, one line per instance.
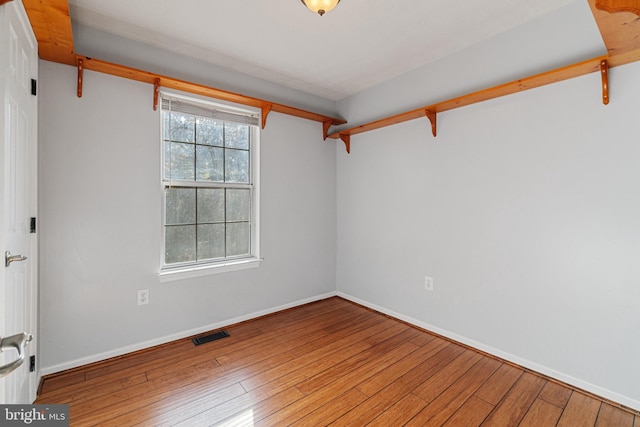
(195, 144)
(196, 184)
(197, 223)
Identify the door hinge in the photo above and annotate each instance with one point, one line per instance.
(32, 364)
(32, 227)
(34, 87)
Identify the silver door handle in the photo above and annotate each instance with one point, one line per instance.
(8, 258)
(19, 342)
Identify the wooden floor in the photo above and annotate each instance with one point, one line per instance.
(326, 363)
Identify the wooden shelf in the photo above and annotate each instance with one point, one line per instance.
(590, 66)
(172, 83)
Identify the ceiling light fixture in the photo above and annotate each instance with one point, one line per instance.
(320, 6)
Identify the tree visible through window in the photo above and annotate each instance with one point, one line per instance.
(208, 183)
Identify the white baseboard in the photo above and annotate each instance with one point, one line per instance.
(48, 370)
(599, 391)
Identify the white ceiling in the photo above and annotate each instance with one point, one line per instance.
(358, 45)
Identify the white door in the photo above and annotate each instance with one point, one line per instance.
(18, 199)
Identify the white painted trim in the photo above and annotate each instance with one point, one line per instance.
(48, 370)
(599, 391)
(171, 272)
(170, 275)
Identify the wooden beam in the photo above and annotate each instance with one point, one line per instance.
(613, 6)
(620, 33)
(52, 27)
(581, 68)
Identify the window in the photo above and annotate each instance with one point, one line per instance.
(209, 181)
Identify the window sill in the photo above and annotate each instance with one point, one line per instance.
(170, 275)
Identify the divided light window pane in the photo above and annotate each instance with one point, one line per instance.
(179, 127)
(238, 205)
(181, 206)
(210, 132)
(238, 238)
(211, 205)
(236, 166)
(179, 160)
(211, 241)
(180, 244)
(236, 136)
(209, 163)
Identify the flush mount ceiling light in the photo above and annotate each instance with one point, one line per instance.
(320, 6)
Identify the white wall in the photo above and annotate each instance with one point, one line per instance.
(100, 227)
(526, 211)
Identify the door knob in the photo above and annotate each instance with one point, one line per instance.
(8, 258)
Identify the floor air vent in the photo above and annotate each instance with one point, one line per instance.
(211, 337)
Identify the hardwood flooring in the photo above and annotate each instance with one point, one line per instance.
(327, 363)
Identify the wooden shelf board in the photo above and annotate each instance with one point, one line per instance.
(172, 83)
(581, 68)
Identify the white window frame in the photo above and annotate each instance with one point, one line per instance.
(173, 272)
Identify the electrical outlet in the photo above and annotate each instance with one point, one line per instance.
(143, 296)
(428, 283)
